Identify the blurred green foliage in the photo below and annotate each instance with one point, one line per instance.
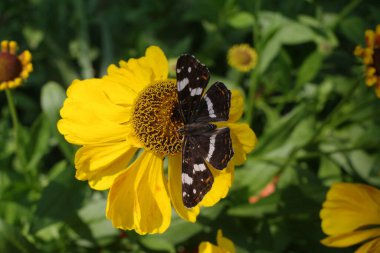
(316, 121)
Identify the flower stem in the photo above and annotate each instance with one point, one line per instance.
(16, 125)
(13, 112)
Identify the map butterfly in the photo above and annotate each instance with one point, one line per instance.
(203, 142)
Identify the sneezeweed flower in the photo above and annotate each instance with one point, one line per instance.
(242, 57)
(351, 215)
(13, 68)
(130, 113)
(225, 245)
(370, 55)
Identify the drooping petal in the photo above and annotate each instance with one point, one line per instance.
(222, 183)
(224, 242)
(89, 116)
(349, 207)
(101, 164)
(350, 238)
(237, 105)
(138, 198)
(369, 247)
(175, 189)
(243, 141)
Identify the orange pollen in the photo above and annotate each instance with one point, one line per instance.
(10, 67)
(156, 118)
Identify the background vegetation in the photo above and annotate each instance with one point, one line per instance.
(316, 121)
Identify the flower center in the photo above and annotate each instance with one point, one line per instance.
(243, 57)
(376, 60)
(156, 118)
(10, 67)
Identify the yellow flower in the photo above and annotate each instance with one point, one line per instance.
(351, 215)
(129, 110)
(224, 245)
(371, 58)
(13, 68)
(242, 57)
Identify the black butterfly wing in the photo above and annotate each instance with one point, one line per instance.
(197, 178)
(216, 147)
(192, 79)
(215, 104)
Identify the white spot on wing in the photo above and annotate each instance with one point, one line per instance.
(178, 71)
(184, 194)
(194, 191)
(196, 91)
(183, 83)
(186, 179)
(189, 69)
(199, 167)
(210, 107)
(211, 148)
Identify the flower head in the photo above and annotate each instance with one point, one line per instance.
(242, 57)
(13, 68)
(370, 55)
(224, 245)
(131, 109)
(351, 215)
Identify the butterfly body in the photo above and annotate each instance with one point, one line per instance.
(204, 144)
(197, 128)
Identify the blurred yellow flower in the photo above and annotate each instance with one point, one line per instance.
(242, 57)
(131, 109)
(351, 215)
(13, 68)
(371, 58)
(224, 245)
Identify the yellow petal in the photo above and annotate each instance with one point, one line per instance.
(370, 247)
(358, 51)
(351, 238)
(349, 207)
(136, 74)
(377, 88)
(225, 243)
(175, 189)
(243, 141)
(222, 183)
(206, 247)
(158, 62)
(138, 198)
(89, 117)
(101, 164)
(237, 105)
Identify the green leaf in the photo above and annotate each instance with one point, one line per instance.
(241, 20)
(295, 33)
(259, 209)
(158, 244)
(179, 231)
(60, 199)
(309, 68)
(11, 240)
(277, 134)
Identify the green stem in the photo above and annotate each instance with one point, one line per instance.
(13, 112)
(16, 126)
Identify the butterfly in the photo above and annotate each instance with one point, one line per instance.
(203, 142)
